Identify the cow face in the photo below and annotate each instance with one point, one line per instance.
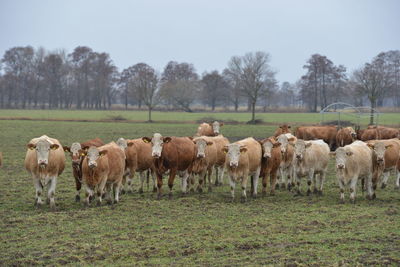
(267, 146)
(121, 142)
(352, 133)
(157, 143)
(215, 126)
(285, 128)
(342, 154)
(93, 154)
(201, 145)
(233, 152)
(43, 148)
(284, 141)
(379, 149)
(300, 149)
(76, 153)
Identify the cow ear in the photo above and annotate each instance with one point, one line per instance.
(308, 145)
(209, 143)
(276, 144)
(31, 146)
(289, 126)
(82, 152)
(54, 147)
(370, 145)
(349, 153)
(332, 154)
(103, 152)
(131, 143)
(66, 148)
(86, 148)
(221, 124)
(167, 139)
(146, 139)
(191, 138)
(243, 149)
(225, 149)
(291, 139)
(388, 146)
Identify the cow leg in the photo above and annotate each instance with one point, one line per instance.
(370, 190)
(153, 177)
(385, 179)
(232, 184)
(78, 186)
(184, 182)
(221, 175)
(201, 181)
(52, 192)
(341, 186)
(244, 185)
(209, 174)
(314, 181)
(272, 177)
(264, 181)
(38, 189)
(142, 180)
(159, 185)
(255, 181)
(216, 176)
(89, 193)
(353, 184)
(100, 190)
(309, 181)
(321, 182)
(283, 179)
(172, 174)
(108, 195)
(398, 180)
(116, 191)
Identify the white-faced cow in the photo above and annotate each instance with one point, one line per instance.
(209, 129)
(286, 168)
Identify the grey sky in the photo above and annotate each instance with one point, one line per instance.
(207, 33)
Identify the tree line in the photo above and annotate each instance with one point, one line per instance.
(86, 79)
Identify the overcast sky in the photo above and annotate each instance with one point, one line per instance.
(207, 32)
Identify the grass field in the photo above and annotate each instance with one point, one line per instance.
(197, 229)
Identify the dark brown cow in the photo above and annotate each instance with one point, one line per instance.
(327, 133)
(77, 157)
(271, 160)
(209, 129)
(370, 134)
(283, 129)
(386, 132)
(173, 154)
(345, 136)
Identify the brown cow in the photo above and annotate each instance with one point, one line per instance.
(283, 129)
(345, 136)
(103, 168)
(286, 168)
(175, 154)
(139, 159)
(209, 129)
(45, 161)
(370, 134)
(327, 133)
(206, 158)
(77, 159)
(385, 132)
(270, 163)
(385, 158)
(220, 142)
(243, 158)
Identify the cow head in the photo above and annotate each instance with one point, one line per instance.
(379, 149)
(352, 133)
(284, 141)
(201, 145)
(300, 149)
(122, 143)
(285, 128)
(157, 143)
(42, 148)
(267, 146)
(233, 152)
(342, 154)
(76, 152)
(215, 126)
(92, 155)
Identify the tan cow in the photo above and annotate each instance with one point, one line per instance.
(45, 161)
(77, 156)
(206, 158)
(286, 168)
(326, 133)
(282, 129)
(311, 158)
(353, 162)
(138, 159)
(271, 161)
(103, 168)
(345, 136)
(385, 158)
(243, 158)
(209, 129)
(220, 142)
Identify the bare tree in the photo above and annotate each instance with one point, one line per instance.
(214, 89)
(252, 72)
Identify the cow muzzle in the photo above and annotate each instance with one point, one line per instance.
(299, 156)
(380, 160)
(267, 156)
(155, 155)
(233, 164)
(200, 156)
(340, 166)
(42, 163)
(76, 162)
(92, 165)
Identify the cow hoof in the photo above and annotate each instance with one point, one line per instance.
(320, 193)
(123, 192)
(243, 199)
(283, 186)
(289, 187)
(383, 186)
(199, 190)
(373, 196)
(264, 193)
(170, 195)
(272, 193)
(298, 194)
(159, 196)
(216, 183)
(397, 187)
(209, 189)
(109, 202)
(154, 189)
(353, 201)
(276, 186)
(315, 191)
(47, 201)
(341, 201)
(191, 190)
(77, 198)
(308, 192)
(254, 196)
(91, 198)
(140, 191)
(98, 203)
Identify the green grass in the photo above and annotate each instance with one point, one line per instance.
(276, 118)
(198, 229)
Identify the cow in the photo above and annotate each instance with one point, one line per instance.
(206, 158)
(327, 133)
(243, 158)
(102, 169)
(270, 163)
(138, 159)
(45, 161)
(385, 132)
(370, 133)
(220, 142)
(77, 157)
(385, 158)
(209, 129)
(173, 154)
(286, 168)
(282, 129)
(345, 136)
(311, 158)
(353, 162)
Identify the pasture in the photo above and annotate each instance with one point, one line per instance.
(198, 229)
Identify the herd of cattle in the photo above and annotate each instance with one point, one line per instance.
(280, 161)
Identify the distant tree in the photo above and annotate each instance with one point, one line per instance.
(214, 89)
(179, 85)
(234, 94)
(251, 72)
